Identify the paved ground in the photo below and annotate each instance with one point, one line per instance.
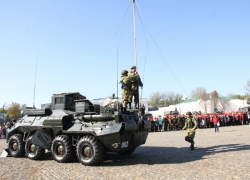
(224, 155)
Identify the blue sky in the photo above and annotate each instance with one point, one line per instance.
(75, 43)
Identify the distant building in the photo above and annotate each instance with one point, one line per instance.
(223, 104)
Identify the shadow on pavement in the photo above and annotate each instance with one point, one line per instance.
(161, 155)
(168, 155)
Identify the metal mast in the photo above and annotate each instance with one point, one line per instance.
(134, 34)
(35, 85)
(135, 50)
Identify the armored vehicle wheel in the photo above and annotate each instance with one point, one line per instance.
(62, 149)
(128, 152)
(16, 145)
(90, 151)
(33, 151)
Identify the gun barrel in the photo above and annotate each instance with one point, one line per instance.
(99, 117)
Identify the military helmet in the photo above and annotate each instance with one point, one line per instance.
(133, 67)
(124, 72)
(188, 113)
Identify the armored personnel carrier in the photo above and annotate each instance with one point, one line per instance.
(72, 126)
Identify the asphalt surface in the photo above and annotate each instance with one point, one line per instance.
(166, 155)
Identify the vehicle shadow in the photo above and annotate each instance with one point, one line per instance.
(161, 155)
(168, 155)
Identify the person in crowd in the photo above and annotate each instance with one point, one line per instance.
(156, 124)
(165, 123)
(216, 122)
(198, 119)
(241, 117)
(170, 123)
(211, 120)
(160, 123)
(152, 125)
(174, 122)
(245, 118)
(225, 119)
(229, 120)
(248, 117)
(237, 119)
(207, 121)
(221, 120)
(1, 131)
(181, 121)
(232, 118)
(190, 126)
(202, 122)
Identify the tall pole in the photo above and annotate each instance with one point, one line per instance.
(35, 85)
(135, 51)
(134, 34)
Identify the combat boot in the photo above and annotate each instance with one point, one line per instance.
(192, 147)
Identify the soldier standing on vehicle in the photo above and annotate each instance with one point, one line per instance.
(191, 126)
(126, 81)
(134, 86)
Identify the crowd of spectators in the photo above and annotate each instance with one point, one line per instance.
(3, 131)
(177, 122)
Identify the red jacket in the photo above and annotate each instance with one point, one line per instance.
(216, 120)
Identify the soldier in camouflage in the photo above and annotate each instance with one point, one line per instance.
(134, 86)
(191, 126)
(126, 91)
(165, 123)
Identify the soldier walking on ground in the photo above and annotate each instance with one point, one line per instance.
(134, 86)
(191, 126)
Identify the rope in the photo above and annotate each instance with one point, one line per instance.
(161, 53)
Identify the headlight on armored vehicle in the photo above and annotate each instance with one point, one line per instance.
(109, 125)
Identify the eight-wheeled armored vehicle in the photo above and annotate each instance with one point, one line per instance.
(72, 126)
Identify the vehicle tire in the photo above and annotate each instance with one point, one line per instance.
(16, 145)
(90, 151)
(62, 149)
(33, 151)
(128, 152)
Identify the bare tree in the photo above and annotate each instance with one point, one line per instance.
(204, 101)
(178, 98)
(198, 92)
(214, 99)
(158, 99)
(154, 99)
(248, 87)
(225, 104)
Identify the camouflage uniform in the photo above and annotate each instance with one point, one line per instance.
(190, 124)
(166, 124)
(134, 87)
(126, 89)
(181, 122)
